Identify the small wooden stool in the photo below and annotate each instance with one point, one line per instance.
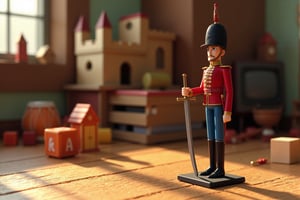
(10, 138)
(61, 142)
(285, 150)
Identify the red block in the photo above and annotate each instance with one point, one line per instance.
(61, 142)
(10, 138)
(29, 138)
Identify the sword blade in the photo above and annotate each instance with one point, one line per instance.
(189, 134)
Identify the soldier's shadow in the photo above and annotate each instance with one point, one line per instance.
(263, 193)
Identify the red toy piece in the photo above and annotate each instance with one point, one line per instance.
(259, 161)
(21, 54)
(85, 120)
(10, 138)
(29, 138)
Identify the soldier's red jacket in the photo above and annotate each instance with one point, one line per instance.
(216, 85)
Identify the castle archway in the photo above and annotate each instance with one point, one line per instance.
(125, 74)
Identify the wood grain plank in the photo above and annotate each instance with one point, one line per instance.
(132, 171)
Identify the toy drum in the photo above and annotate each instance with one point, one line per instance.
(40, 115)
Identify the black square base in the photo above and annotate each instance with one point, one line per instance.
(204, 181)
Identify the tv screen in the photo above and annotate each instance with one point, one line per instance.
(258, 85)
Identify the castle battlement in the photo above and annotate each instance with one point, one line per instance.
(104, 61)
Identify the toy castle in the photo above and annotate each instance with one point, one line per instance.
(104, 62)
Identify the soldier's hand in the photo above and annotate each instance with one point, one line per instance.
(186, 92)
(226, 117)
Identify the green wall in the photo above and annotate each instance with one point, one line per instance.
(13, 105)
(281, 22)
(114, 9)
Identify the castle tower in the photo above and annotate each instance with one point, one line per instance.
(103, 31)
(133, 28)
(21, 54)
(89, 53)
(82, 33)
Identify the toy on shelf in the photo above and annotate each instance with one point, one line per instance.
(216, 87)
(40, 115)
(21, 54)
(86, 121)
(61, 142)
(267, 48)
(104, 62)
(45, 55)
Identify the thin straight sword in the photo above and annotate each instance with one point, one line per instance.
(186, 103)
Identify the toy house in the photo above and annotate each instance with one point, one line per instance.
(86, 121)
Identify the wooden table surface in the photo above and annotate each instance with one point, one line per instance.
(131, 171)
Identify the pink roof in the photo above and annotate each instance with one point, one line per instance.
(103, 21)
(141, 15)
(80, 114)
(82, 25)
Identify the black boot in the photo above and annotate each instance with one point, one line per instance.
(212, 156)
(220, 172)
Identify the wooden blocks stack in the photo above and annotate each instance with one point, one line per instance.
(285, 150)
(152, 116)
(61, 142)
(10, 138)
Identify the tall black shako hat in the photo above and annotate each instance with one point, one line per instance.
(215, 33)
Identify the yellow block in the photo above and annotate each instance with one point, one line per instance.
(104, 135)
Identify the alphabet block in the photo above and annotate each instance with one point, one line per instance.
(10, 138)
(285, 150)
(61, 142)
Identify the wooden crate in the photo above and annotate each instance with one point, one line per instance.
(152, 116)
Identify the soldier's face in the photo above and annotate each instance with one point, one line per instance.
(214, 53)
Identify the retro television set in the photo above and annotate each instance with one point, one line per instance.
(258, 84)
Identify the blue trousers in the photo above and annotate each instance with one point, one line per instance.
(214, 123)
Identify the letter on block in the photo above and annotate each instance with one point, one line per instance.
(61, 142)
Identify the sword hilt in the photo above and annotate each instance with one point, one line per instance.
(184, 81)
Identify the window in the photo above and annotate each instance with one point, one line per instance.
(22, 17)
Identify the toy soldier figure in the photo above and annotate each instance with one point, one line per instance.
(216, 87)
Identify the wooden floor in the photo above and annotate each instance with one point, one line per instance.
(131, 171)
